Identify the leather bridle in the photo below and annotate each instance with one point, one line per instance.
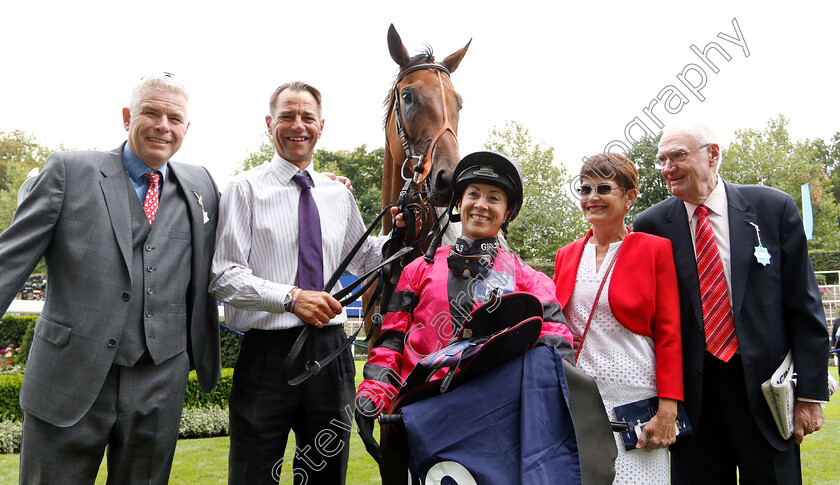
(397, 249)
(424, 164)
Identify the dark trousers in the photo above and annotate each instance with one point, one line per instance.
(264, 408)
(727, 437)
(136, 416)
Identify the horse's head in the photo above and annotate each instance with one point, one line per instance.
(422, 120)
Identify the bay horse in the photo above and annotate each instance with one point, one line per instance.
(421, 146)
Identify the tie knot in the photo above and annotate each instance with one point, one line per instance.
(154, 177)
(702, 211)
(302, 179)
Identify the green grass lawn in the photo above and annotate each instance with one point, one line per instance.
(204, 461)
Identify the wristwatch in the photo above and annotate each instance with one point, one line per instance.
(288, 303)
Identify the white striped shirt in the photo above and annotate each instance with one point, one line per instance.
(255, 264)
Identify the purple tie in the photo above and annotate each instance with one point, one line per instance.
(310, 260)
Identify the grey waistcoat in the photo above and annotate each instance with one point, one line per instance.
(160, 273)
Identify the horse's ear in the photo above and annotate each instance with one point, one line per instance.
(396, 47)
(454, 59)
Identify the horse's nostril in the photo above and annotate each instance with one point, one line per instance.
(442, 180)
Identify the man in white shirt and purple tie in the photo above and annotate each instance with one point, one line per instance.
(283, 229)
(748, 295)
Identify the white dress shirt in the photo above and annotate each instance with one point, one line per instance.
(256, 261)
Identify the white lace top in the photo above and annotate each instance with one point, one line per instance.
(622, 363)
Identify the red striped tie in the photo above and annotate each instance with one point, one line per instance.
(152, 202)
(717, 312)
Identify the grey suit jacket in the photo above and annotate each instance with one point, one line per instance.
(776, 308)
(77, 216)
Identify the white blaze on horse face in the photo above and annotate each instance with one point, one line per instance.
(483, 210)
(295, 126)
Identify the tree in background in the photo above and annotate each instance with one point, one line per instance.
(19, 154)
(770, 158)
(264, 154)
(550, 217)
(363, 168)
(652, 187)
(828, 156)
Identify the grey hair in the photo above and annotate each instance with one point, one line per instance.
(702, 134)
(158, 82)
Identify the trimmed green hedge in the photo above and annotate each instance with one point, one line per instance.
(10, 397)
(13, 328)
(824, 260)
(204, 423)
(230, 347)
(18, 331)
(196, 398)
(10, 432)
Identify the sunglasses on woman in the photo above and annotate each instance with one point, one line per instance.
(601, 189)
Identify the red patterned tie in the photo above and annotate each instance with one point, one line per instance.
(717, 311)
(151, 203)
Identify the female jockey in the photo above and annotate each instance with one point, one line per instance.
(431, 301)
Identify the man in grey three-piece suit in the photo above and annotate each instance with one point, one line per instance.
(128, 238)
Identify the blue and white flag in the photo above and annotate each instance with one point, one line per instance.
(807, 213)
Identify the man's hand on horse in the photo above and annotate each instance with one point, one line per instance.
(339, 178)
(399, 220)
(316, 307)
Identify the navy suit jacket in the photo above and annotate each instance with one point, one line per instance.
(776, 307)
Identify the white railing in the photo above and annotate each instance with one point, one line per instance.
(830, 293)
(26, 307)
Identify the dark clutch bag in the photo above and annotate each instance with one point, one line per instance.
(636, 414)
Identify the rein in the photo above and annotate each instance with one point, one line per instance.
(396, 252)
(344, 297)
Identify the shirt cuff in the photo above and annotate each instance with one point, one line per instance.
(805, 399)
(274, 295)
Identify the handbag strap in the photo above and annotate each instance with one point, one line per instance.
(595, 303)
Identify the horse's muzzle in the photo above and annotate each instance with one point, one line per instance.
(441, 188)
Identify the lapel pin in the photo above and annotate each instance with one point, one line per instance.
(761, 253)
(201, 203)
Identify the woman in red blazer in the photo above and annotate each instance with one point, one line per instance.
(632, 347)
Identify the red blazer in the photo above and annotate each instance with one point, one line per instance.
(643, 296)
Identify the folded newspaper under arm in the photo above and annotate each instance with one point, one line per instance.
(780, 396)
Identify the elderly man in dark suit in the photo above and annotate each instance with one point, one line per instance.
(128, 237)
(747, 295)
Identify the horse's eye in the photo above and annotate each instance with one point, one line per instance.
(407, 97)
